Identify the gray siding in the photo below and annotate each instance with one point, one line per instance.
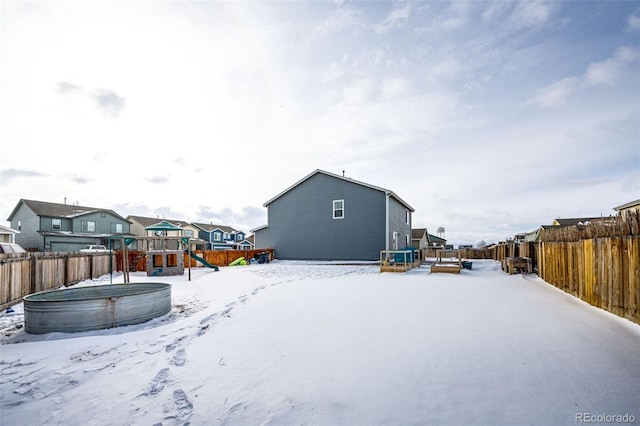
(398, 223)
(29, 238)
(301, 224)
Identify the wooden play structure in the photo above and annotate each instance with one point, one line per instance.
(164, 255)
(162, 263)
(398, 260)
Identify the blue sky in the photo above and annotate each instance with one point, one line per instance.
(489, 118)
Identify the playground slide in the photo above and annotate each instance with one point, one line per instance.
(204, 262)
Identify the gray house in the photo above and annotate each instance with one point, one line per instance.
(65, 227)
(221, 237)
(325, 216)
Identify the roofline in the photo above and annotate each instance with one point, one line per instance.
(94, 210)
(346, 179)
(625, 205)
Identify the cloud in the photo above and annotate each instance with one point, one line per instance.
(605, 73)
(159, 180)
(454, 17)
(338, 20)
(556, 94)
(397, 18)
(11, 174)
(244, 219)
(530, 14)
(494, 10)
(394, 87)
(633, 23)
(80, 179)
(107, 101)
(632, 183)
(65, 88)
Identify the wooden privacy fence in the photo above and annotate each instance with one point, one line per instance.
(138, 262)
(467, 253)
(23, 274)
(604, 272)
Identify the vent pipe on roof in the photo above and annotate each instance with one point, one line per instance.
(343, 173)
(65, 200)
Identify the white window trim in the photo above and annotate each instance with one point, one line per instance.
(407, 216)
(335, 209)
(57, 227)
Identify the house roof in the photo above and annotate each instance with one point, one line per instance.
(577, 220)
(148, 221)
(208, 227)
(346, 179)
(418, 233)
(627, 205)
(434, 239)
(5, 230)
(68, 211)
(163, 226)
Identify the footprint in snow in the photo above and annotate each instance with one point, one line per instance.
(180, 358)
(158, 383)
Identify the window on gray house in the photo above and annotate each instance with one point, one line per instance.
(56, 224)
(338, 209)
(88, 226)
(116, 228)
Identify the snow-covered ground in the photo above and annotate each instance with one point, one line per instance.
(292, 343)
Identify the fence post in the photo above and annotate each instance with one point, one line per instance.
(33, 278)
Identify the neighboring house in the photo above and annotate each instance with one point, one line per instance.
(140, 225)
(436, 242)
(578, 221)
(529, 237)
(325, 216)
(7, 235)
(632, 206)
(419, 238)
(65, 227)
(221, 237)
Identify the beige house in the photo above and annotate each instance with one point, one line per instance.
(7, 235)
(180, 228)
(632, 206)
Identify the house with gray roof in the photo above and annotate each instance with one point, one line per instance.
(325, 216)
(47, 226)
(222, 237)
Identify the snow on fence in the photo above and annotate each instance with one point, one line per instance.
(23, 274)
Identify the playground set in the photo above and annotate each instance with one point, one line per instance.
(161, 260)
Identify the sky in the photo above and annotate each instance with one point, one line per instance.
(488, 118)
(296, 343)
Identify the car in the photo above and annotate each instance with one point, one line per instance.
(11, 248)
(94, 249)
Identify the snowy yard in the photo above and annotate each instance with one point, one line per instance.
(292, 343)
